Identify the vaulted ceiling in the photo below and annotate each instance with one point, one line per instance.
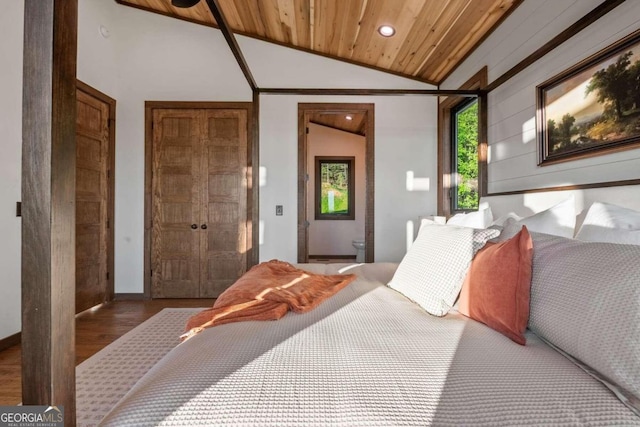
(432, 36)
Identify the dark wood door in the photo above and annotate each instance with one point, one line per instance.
(199, 192)
(92, 187)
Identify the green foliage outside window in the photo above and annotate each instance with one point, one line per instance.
(466, 122)
(335, 179)
(334, 187)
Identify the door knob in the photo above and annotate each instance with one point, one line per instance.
(203, 226)
(194, 226)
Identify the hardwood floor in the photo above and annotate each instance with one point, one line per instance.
(95, 329)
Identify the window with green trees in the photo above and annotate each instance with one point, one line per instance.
(335, 181)
(465, 156)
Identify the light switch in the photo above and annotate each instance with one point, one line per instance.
(278, 210)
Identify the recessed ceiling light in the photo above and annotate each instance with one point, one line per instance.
(386, 30)
(348, 117)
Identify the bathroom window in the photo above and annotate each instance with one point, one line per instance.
(335, 188)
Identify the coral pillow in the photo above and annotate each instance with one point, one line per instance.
(497, 288)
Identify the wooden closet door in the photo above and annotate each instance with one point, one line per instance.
(176, 199)
(223, 244)
(92, 160)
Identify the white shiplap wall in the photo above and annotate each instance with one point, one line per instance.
(512, 106)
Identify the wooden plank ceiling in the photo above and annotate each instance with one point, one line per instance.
(348, 122)
(432, 36)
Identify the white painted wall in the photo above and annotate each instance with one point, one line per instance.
(334, 237)
(274, 66)
(11, 22)
(405, 141)
(512, 106)
(98, 55)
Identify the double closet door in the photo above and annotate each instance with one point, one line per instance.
(199, 201)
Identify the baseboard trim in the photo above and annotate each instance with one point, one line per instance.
(130, 297)
(10, 341)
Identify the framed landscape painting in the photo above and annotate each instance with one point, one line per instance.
(592, 108)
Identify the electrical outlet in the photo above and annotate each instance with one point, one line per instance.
(279, 210)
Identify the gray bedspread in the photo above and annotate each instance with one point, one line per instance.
(366, 357)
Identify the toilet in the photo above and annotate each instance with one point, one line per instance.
(359, 244)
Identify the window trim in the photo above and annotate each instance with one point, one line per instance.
(445, 107)
(351, 185)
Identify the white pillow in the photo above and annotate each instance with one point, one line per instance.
(558, 220)
(482, 218)
(501, 220)
(432, 272)
(610, 223)
(585, 300)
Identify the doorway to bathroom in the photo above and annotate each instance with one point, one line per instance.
(335, 182)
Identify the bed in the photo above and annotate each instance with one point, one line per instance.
(371, 357)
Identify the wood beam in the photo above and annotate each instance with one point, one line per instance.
(48, 204)
(216, 11)
(368, 92)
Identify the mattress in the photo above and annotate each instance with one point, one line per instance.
(365, 357)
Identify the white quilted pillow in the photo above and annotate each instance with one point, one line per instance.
(585, 300)
(610, 223)
(558, 220)
(432, 272)
(482, 218)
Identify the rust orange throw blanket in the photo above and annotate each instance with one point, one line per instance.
(267, 292)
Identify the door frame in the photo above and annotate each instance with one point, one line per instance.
(252, 166)
(305, 110)
(111, 181)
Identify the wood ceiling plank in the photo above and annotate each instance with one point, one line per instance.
(404, 24)
(164, 6)
(232, 15)
(369, 45)
(458, 43)
(269, 13)
(288, 20)
(201, 13)
(304, 22)
(249, 12)
(321, 25)
(350, 13)
(452, 15)
(335, 26)
(421, 37)
(311, 23)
